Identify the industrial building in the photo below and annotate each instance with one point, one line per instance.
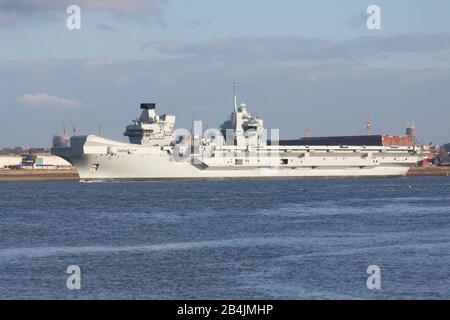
(43, 161)
(10, 161)
(60, 141)
(447, 147)
(443, 156)
(369, 140)
(34, 161)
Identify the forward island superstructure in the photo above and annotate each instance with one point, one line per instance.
(238, 150)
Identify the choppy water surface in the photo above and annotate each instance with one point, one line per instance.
(306, 239)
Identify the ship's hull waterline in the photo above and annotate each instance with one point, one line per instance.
(134, 169)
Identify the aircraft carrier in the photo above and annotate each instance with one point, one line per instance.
(240, 149)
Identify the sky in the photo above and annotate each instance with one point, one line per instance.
(298, 64)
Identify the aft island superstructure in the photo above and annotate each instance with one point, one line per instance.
(238, 150)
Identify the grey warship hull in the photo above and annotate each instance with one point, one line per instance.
(238, 150)
(96, 158)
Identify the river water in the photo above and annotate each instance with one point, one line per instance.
(305, 239)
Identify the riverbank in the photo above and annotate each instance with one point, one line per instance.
(38, 175)
(429, 172)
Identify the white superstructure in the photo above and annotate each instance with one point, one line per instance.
(238, 150)
(151, 129)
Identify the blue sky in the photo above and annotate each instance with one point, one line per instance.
(298, 64)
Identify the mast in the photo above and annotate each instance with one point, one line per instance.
(369, 126)
(235, 97)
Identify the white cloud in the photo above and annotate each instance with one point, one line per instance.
(291, 48)
(43, 100)
(4, 18)
(120, 6)
(99, 62)
(11, 11)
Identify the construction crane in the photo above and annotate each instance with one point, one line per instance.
(64, 128)
(368, 124)
(307, 132)
(74, 129)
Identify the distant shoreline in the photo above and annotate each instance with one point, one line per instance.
(429, 172)
(72, 174)
(39, 175)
